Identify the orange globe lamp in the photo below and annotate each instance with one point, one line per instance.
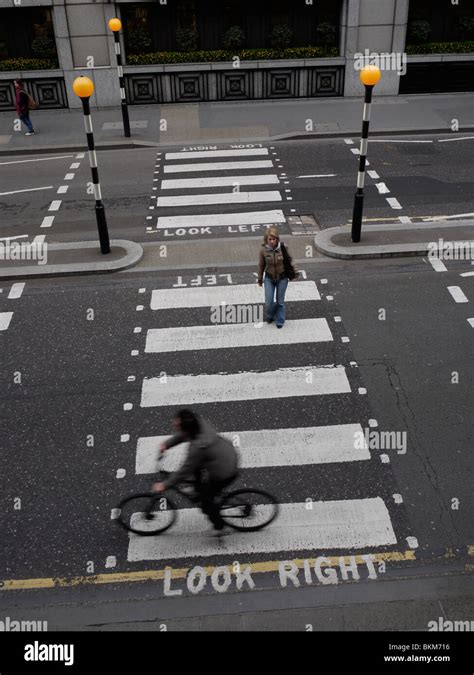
(370, 75)
(83, 87)
(115, 25)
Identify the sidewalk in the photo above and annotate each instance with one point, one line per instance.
(254, 121)
(377, 241)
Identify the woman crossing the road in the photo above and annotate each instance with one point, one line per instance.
(275, 261)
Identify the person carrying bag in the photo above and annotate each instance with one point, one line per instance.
(276, 263)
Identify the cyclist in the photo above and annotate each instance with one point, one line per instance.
(211, 462)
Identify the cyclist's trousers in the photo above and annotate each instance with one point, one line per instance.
(208, 492)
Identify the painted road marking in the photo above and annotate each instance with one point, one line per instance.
(382, 188)
(320, 175)
(15, 192)
(471, 322)
(55, 205)
(69, 176)
(39, 239)
(265, 567)
(216, 153)
(47, 221)
(218, 166)
(457, 294)
(62, 189)
(5, 318)
(391, 140)
(244, 386)
(220, 181)
(221, 198)
(347, 524)
(462, 138)
(242, 294)
(230, 336)
(394, 203)
(16, 291)
(456, 215)
(438, 265)
(406, 220)
(467, 274)
(373, 174)
(275, 447)
(42, 159)
(222, 219)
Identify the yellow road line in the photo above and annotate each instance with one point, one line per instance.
(181, 573)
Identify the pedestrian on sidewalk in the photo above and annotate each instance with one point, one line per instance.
(23, 106)
(275, 261)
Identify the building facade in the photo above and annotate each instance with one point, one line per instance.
(204, 50)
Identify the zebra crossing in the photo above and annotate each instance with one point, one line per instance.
(197, 192)
(312, 402)
(14, 293)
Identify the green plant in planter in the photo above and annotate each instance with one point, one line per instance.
(187, 39)
(138, 41)
(326, 34)
(234, 38)
(43, 47)
(280, 37)
(418, 32)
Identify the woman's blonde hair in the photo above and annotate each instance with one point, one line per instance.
(273, 231)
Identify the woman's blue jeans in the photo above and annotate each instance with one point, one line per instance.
(275, 309)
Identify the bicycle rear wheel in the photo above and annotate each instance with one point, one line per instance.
(249, 510)
(147, 514)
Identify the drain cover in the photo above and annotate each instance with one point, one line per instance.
(303, 225)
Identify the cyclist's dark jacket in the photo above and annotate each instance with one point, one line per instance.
(208, 451)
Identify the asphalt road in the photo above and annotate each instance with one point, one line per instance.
(425, 175)
(65, 381)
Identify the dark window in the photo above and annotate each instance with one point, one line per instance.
(153, 26)
(439, 21)
(27, 32)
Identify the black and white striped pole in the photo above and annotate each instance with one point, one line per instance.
(84, 88)
(115, 25)
(369, 76)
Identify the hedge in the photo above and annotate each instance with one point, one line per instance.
(222, 55)
(441, 48)
(28, 64)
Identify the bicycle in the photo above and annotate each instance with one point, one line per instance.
(151, 513)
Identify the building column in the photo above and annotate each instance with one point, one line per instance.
(381, 29)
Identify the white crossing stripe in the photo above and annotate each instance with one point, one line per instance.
(218, 166)
(471, 322)
(55, 205)
(216, 153)
(230, 336)
(437, 264)
(221, 198)
(356, 523)
(5, 318)
(241, 294)
(16, 291)
(220, 181)
(269, 447)
(382, 188)
(47, 221)
(394, 203)
(223, 219)
(457, 294)
(244, 386)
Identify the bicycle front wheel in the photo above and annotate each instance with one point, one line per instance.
(147, 514)
(249, 510)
